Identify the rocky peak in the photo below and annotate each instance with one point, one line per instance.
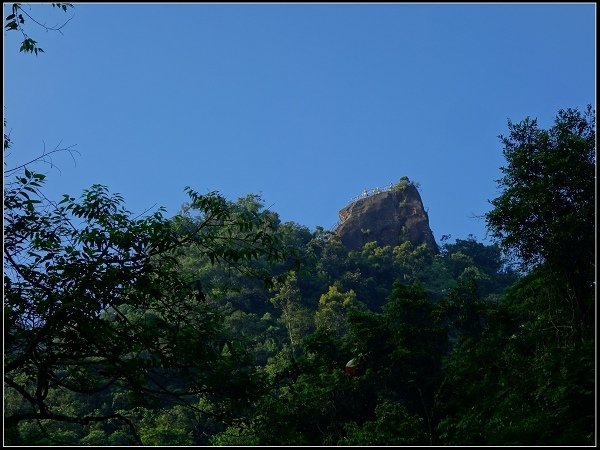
(387, 216)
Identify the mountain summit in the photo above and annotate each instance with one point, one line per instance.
(387, 216)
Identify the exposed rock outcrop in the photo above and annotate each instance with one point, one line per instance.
(388, 218)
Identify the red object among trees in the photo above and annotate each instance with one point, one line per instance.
(351, 367)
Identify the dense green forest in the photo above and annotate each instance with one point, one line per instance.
(223, 325)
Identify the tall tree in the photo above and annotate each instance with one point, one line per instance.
(527, 376)
(295, 318)
(546, 211)
(332, 310)
(402, 351)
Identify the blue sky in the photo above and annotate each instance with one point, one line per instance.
(304, 104)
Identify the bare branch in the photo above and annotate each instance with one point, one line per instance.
(47, 28)
(43, 157)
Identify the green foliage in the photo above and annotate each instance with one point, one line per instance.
(236, 435)
(411, 261)
(393, 426)
(546, 212)
(94, 298)
(468, 259)
(402, 351)
(173, 426)
(309, 408)
(403, 183)
(333, 307)
(294, 316)
(463, 310)
(29, 45)
(527, 375)
(538, 383)
(546, 209)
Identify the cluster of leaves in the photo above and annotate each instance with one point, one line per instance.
(403, 183)
(15, 21)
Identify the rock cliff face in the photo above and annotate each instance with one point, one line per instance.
(388, 218)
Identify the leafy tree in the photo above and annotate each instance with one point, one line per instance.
(333, 256)
(173, 426)
(333, 307)
(469, 259)
(234, 286)
(403, 182)
(393, 426)
(294, 316)
(464, 310)
(525, 379)
(546, 211)
(307, 402)
(93, 299)
(403, 349)
(411, 261)
(369, 274)
(527, 376)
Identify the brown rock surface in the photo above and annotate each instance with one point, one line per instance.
(389, 218)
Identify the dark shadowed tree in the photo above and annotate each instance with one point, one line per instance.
(94, 298)
(546, 211)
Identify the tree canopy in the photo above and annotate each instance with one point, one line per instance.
(546, 211)
(94, 299)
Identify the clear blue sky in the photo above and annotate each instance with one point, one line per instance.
(305, 104)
